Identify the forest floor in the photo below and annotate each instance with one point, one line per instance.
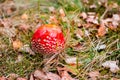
(91, 29)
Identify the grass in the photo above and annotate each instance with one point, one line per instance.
(90, 57)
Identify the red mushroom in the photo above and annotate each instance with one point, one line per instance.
(48, 39)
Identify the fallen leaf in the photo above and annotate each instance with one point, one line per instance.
(2, 78)
(78, 47)
(66, 76)
(83, 15)
(93, 6)
(100, 47)
(93, 75)
(91, 14)
(26, 48)
(20, 78)
(115, 20)
(111, 26)
(62, 13)
(46, 76)
(115, 79)
(79, 33)
(17, 44)
(79, 25)
(87, 33)
(87, 25)
(102, 29)
(31, 77)
(24, 27)
(19, 58)
(7, 28)
(115, 24)
(8, 7)
(73, 61)
(12, 76)
(53, 19)
(52, 9)
(1, 55)
(40, 75)
(86, 1)
(24, 16)
(65, 19)
(113, 5)
(52, 76)
(116, 17)
(112, 65)
(92, 19)
(103, 2)
(68, 68)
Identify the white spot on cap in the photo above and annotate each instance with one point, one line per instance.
(39, 39)
(53, 46)
(48, 44)
(48, 37)
(44, 40)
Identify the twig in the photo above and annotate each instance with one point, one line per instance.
(101, 18)
(51, 58)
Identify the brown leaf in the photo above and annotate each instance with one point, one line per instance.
(115, 79)
(78, 47)
(66, 76)
(86, 1)
(92, 19)
(88, 25)
(65, 19)
(6, 22)
(1, 55)
(103, 2)
(52, 9)
(19, 58)
(53, 19)
(46, 76)
(93, 6)
(63, 72)
(17, 44)
(52, 76)
(68, 68)
(24, 27)
(24, 16)
(20, 78)
(72, 61)
(93, 75)
(113, 22)
(79, 33)
(12, 76)
(62, 13)
(40, 75)
(8, 7)
(112, 27)
(83, 15)
(2, 78)
(26, 48)
(113, 5)
(102, 30)
(31, 77)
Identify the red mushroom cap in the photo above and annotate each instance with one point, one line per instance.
(48, 39)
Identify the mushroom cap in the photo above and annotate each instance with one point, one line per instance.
(48, 39)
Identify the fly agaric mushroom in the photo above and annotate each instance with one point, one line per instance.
(48, 39)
